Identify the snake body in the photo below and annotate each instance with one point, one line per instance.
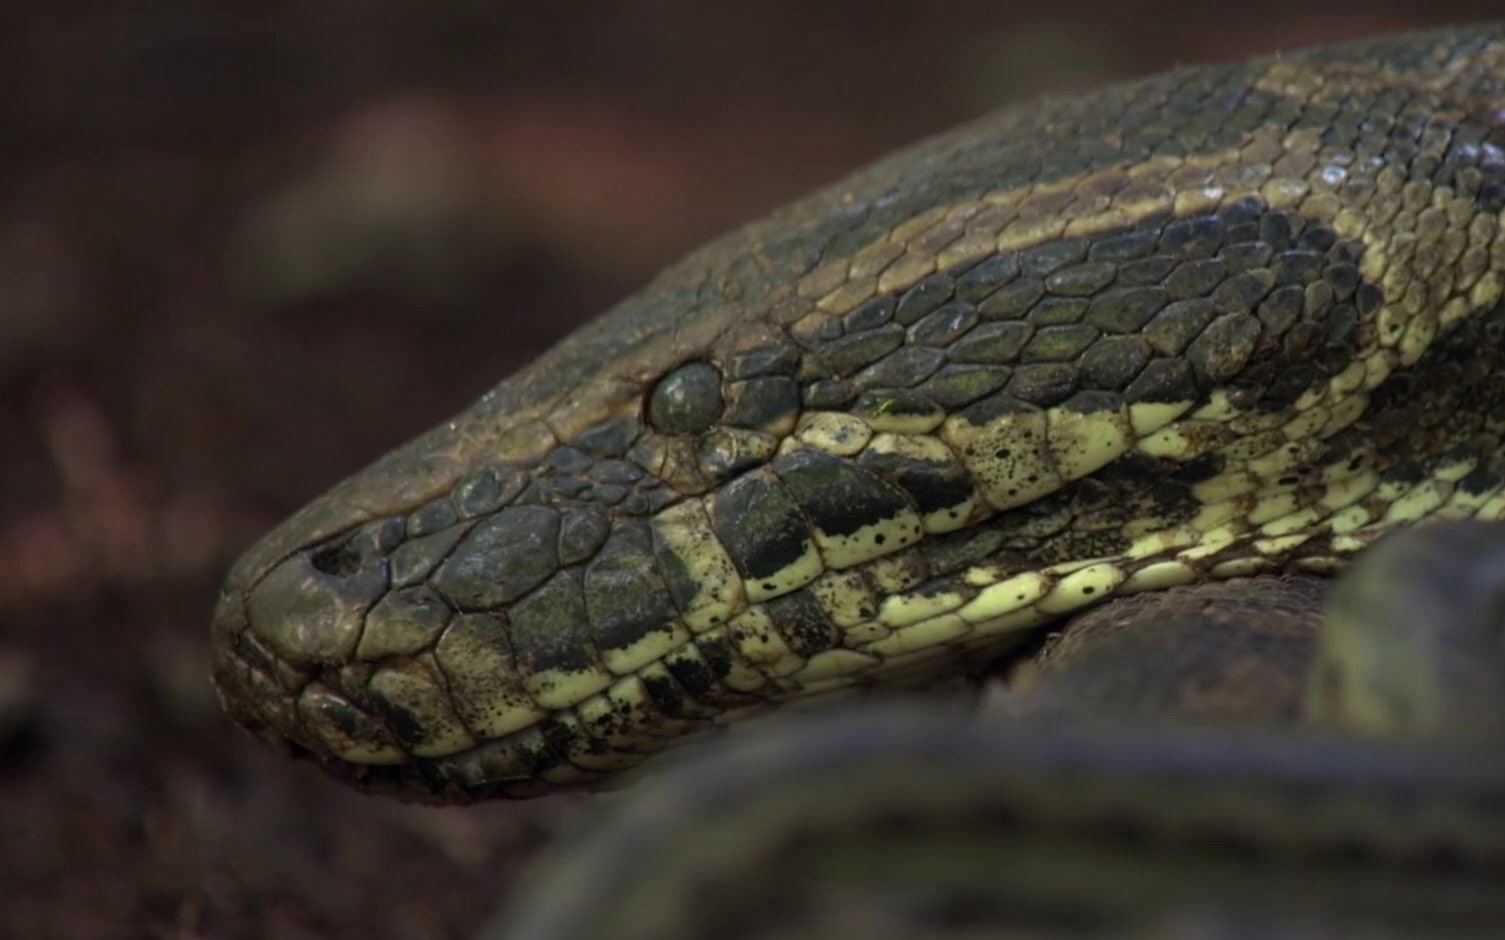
(1113, 802)
(908, 824)
(1222, 322)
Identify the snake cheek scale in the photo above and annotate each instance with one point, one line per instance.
(1221, 322)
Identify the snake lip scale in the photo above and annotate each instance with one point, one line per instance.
(1221, 322)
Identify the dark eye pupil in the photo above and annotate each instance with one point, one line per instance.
(687, 400)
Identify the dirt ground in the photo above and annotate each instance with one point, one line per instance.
(243, 253)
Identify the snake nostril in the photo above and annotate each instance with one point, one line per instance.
(343, 559)
(358, 551)
(309, 608)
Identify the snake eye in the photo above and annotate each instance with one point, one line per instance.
(687, 400)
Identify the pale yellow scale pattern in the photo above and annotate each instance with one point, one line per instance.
(686, 530)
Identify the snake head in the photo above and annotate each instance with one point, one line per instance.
(433, 625)
(1216, 323)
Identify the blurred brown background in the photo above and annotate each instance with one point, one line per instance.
(244, 252)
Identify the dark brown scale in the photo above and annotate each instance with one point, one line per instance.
(760, 524)
(761, 402)
(1050, 257)
(1059, 343)
(904, 367)
(1057, 311)
(1250, 251)
(1282, 306)
(924, 297)
(1163, 380)
(802, 623)
(1224, 348)
(626, 598)
(668, 697)
(415, 558)
(501, 559)
(698, 676)
(1126, 309)
(853, 351)
(1192, 239)
(958, 385)
(433, 516)
(837, 496)
(870, 315)
(1147, 271)
(1013, 301)
(767, 360)
(608, 439)
(1114, 361)
(954, 552)
(407, 620)
(551, 628)
(992, 343)
(1082, 280)
(943, 326)
(1043, 384)
(487, 491)
(1125, 246)
(829, 394)
(702, 675)
(582, 532)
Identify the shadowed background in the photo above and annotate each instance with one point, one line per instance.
(243, 253)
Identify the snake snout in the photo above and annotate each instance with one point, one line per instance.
(309, 609)
(428, 643)
(285, 628)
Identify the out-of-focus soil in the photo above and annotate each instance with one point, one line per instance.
(244, 252)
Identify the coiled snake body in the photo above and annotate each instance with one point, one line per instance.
(1225, 322)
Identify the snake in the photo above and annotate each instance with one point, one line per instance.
(890, 820)
(1227, 323)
